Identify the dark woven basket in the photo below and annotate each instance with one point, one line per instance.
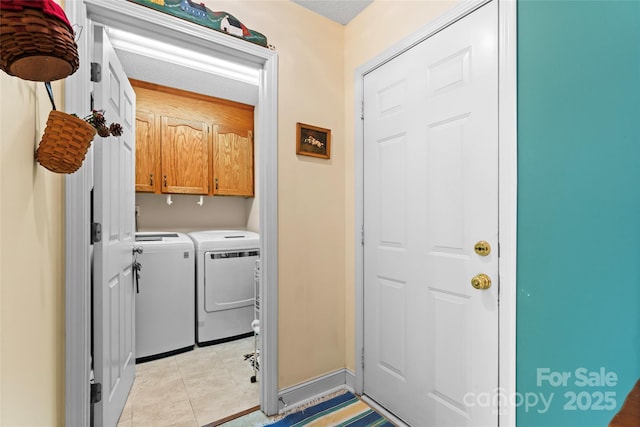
(65, 142)
(36, 46)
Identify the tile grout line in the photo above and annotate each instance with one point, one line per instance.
(193, 411)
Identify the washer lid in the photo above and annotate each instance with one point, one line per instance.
(225, 239)
(151, 239)
(154, 237)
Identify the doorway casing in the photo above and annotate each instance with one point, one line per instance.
(126, 15)
(507, 191)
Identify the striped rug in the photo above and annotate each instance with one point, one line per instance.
(341, 411)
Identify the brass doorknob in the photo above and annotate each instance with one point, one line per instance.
(481, 281)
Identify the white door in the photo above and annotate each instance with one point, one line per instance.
(113, 287)
(430, 194)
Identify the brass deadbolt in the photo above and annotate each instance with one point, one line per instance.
(482, 248)
(481, 281)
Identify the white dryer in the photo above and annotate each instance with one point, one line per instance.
(225, 262)
(165, 309)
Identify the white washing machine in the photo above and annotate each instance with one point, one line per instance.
(165, 309)
(225, 262)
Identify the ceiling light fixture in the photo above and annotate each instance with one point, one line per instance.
(144, 46)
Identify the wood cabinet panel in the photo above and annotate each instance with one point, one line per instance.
(147, 153)
(180, 154)
(192, 106)
(232, 161)
(184, 152)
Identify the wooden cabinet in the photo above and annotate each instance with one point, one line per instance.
(147, 153)
(188, 143)
(232, 161)
(184, 156)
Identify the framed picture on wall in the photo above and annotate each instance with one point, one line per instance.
(313, 141)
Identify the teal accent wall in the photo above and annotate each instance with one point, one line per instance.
(578, 209)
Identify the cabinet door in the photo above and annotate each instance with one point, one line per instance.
(185, 161)
(232, 161)
(147, 156)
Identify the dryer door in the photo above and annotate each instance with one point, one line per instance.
(229, 279)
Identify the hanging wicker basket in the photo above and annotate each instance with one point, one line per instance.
(65, 142)
(36, 46)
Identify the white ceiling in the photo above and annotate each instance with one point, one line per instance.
(340, 11)
(167, 74)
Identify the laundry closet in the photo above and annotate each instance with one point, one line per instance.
(194, 172)
(197, 231)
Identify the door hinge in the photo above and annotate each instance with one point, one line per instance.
(362, 110)
(96, 392)
(362, 235)
(362, 358)
(96, 72)
(96, 232)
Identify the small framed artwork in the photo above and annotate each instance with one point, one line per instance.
(313, 141)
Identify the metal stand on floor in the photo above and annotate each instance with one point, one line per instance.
(254, 358)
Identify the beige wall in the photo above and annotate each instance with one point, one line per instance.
(311, 191)
(367, 36)
(316, 313)
(317, 60)
(31, 263)
(185, 215)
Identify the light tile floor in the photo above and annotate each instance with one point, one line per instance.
(192, 389)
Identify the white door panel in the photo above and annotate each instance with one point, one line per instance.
(113, 287)
(431, 192)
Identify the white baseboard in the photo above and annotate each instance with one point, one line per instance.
(350, 380)
(292, 397)
(295, 396)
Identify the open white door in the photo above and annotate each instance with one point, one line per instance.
(114, 200)
(430, 195)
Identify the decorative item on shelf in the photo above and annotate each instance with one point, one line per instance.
(37, 41)
(202, 15)
(67, 138)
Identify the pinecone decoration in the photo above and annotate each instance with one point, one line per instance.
(115, 129)
(99, 122)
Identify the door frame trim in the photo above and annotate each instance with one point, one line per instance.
(507, 187)
(79, 184)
